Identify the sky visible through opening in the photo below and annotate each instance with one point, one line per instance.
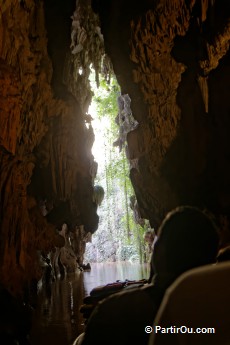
(99, 127)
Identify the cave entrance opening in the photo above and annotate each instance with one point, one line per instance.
(119, 237)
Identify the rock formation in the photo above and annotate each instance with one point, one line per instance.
(45, 145)
(172, 58)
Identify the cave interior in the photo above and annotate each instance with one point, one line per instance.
(170, 57)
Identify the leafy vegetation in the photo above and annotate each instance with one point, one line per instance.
(118, 236)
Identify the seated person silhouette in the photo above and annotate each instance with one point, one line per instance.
(187, 238)
(198, 301)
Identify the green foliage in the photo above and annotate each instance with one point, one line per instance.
(118, 236)
(105, 98)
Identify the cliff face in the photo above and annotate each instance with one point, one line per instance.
(170, 57)
(45, 146)
(173, 60)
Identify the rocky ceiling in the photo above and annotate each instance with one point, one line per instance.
(171, 57)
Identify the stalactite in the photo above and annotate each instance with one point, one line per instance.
(203, 83)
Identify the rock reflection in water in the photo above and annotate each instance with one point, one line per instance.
(57, 319)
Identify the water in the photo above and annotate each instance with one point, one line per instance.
(57, 319)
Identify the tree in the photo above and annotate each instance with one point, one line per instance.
(118, 237)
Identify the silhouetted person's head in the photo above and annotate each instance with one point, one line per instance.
(187, 238)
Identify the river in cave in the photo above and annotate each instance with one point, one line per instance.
(57, 319)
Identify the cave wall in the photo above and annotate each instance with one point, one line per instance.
(172, 58)
(45, 147)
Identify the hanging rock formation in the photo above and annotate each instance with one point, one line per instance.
(45, 145)
(172, 58)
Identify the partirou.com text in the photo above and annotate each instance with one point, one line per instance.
(181, 329)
